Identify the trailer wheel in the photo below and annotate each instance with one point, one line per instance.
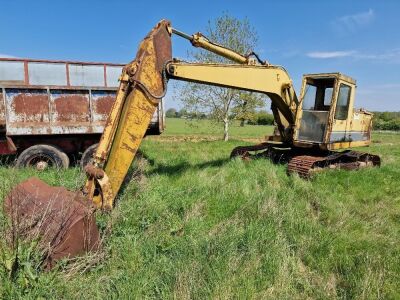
(42, 157)
(87, 156)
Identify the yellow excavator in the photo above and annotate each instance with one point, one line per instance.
(308, 131)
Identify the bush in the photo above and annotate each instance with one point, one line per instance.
(262, 118)
(171, 113)
(386, 121)
(389, 125)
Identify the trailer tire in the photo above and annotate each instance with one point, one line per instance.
(87, 156)
(42, 157)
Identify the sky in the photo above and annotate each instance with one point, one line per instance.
(358, 38)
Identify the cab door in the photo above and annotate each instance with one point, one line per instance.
(340, 124)
(316, 101)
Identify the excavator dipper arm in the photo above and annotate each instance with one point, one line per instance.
(142, 85)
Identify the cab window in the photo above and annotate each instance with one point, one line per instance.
(309, 96)
(318, 94)
(342, 104)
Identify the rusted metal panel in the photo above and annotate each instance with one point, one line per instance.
(69, 106)
(48, 111)
(2, 112)
(27, 106)
(101, 105)
(43, 97)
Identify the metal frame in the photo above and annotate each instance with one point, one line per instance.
(67, 63)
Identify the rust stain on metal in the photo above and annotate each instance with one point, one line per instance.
(94, 172)
(2, 112)
(12, 82)
(164, 50)
(72, 107)
(30, 107)
(103, 105)
(62, 219)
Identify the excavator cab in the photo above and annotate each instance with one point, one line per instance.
(328, 118)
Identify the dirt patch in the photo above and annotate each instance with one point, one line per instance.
(197, 138)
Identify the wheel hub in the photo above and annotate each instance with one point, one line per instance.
(42, 165)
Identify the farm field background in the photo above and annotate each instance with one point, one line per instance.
(193, 224)
(208, 129)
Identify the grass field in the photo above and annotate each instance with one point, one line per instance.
(209, 130)
(193, 224)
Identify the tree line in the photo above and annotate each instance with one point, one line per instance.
(252, 118)
(381, 120)
(386, 121)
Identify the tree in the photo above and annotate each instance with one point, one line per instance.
(171, 113)
(246, 109)
(217, 102)
(182, 113)
(264, 118)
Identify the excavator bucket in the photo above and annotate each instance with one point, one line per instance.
(64, 221)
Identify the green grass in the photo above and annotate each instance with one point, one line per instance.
(205, 128)
(197, 225)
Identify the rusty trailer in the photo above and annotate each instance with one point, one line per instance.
(57, 108)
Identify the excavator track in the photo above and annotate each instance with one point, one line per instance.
(306, 165)
(244, 151)
(303, 164)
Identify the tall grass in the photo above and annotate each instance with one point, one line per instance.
(193, 224)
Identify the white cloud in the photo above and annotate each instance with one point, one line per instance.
(6, 56)
(352, 23)
(391, 55)
(379, 88)
(330, 54)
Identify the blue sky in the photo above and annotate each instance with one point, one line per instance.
(358, 38)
